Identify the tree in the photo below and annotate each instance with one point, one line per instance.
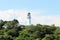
(11, 24)
(1, 24)
(13, 33)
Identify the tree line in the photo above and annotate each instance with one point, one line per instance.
(12, 30)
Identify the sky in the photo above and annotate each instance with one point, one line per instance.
(42, 11)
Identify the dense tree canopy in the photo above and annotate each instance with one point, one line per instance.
(12, 30)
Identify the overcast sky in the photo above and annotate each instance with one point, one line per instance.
(42, 11)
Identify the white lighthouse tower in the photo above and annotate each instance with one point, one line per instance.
(29, 18)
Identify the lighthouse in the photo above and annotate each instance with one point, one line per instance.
(29, 17)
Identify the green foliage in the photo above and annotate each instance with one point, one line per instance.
(12, 30)
(1, 24)
(13, 33)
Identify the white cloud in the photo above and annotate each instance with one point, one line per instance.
(47, 20)
(21, 15)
